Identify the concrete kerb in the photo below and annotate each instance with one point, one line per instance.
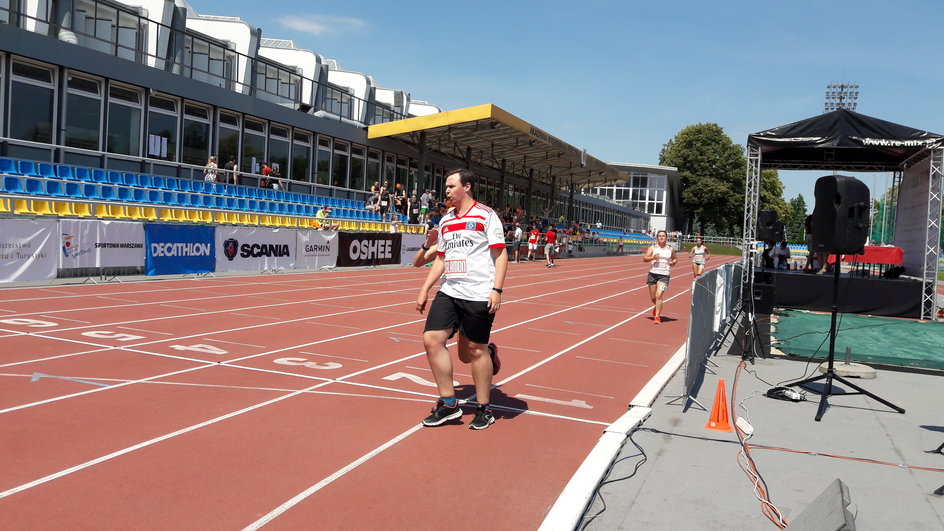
(568, 510)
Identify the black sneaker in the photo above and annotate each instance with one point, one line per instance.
(493, 353)
(442, 413)
(483, 417)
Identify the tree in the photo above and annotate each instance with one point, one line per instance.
(771, 195)
(795, 221)
(712, 170)
(883, 217)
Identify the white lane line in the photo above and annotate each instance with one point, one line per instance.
(183, 307)
(116, 299)
(331, 324)
(612, 361)
(566, 390)
(7, 311)
(232, 343)
(518, 348)
(638, 341)
(426, 369)
(257, 316)
(145, 331)
(554, 331)
(66, 319)
(330, 479)
(330, 356)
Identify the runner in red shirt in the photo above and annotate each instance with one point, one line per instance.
(533, 237)
(551, 248)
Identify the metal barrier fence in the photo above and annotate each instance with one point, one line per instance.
(715, 296)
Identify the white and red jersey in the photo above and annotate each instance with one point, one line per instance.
(466, 243)
(533, 236)
(663, 257)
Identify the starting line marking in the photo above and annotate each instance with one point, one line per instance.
(145, 331)
(232, 343)
(331, 356)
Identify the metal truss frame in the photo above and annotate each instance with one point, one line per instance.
(751, 204)
(932, 236)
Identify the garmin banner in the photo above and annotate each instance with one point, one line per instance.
(95, 243)
(315, 248)
(410, 243)
(254, 249)
(28, 249)
(178, 249)
(364, 249)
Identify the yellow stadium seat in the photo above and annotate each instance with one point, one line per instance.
(206, 216)
(42, 208)
(5, 206)
(167, 214)
(22, 206)
(219, 217)
(149, 213)
(119, 211)
(101, 210)
(81, 210)
(62, 208)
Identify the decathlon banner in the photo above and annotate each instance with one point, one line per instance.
(363, 249)
(315, 248)
(28, 249)
(410, 243)
(178, 249)
(95, 243)
(254, 248)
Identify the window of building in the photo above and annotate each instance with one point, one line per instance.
(373, 168)
(279, 149)
(337, 100)
(339, 164)
(228, 136)
(196, 136)
(254, 143)
(323, 162)
(162, 128)
(402, 173)
(124, 120)
(32, 102)
(301, 155)
(358, 167)
(83, 113)
(390, 170)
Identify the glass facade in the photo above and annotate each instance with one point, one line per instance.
(83, 113)
(162, 129)
(254, 143)
(196, 136)
(124, 121)
(279, 149)
(32, 103)
(301, 156)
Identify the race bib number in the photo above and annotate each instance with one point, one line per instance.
(383, 203)
(455, 268)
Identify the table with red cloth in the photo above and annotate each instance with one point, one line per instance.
(874, 254)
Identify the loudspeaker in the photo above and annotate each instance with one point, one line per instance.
(764, 298)
(841, 215)
(768, 228)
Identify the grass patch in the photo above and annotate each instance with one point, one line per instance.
(718, 249)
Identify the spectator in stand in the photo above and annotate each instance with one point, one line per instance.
(211, 169)
(322, 222)
(413, 206)
(231, 170)
(386, 204)
(550, 247)
(373, 203)
(425, 201)
(265, 171)
(781, 256)
(375, 188)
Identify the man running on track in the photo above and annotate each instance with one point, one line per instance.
(662, 257)
(533, 236)
(472, 259)
(699, 255)
(551, 247)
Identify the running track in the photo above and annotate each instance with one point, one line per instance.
(293, 401)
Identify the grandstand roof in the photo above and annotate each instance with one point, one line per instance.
(493, 135)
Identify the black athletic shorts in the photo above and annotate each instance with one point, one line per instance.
(654, 279)
(469, 318)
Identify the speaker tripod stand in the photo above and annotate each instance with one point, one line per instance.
(750, 344)
(830, 375)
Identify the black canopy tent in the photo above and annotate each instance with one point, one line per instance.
(844, 140)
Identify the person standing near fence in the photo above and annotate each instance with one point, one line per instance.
(699, 254)
(662, 258)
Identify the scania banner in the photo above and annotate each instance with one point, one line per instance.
(254, 249)
(363, 249)
(315, 248)
(410, 244)
(178, 249)
(28, 249)
(98, 243)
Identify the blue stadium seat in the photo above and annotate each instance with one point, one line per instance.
(241, 203)
(82, 174)
(230, 203)
(114, 178)
(219, 202)
(171, 183)
(181, 198)
(206, 201)
(129, 179)
(8, 167)
(64, 171)
(282, 208)
(98, 176)
(108, 192)
(27, 168)
(269, 194)
(47, 170)
(242, 191)
(139, 195)
(124, 193)
(12, 185)
(229, 190)
(169, 198)
(54, 188)
(290, 209)
(157, 182)
(90, 191)
(144, 181)
(33, 186)
(207, 187)
(74, 190)
(252, 205)
(193, 200)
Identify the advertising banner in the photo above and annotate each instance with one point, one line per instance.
(95, 243)
(178, 249)
(364, 249)
(28, 249)
(410, 243)
(315, 248)
(254, 248)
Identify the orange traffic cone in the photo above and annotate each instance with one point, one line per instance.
(719, 411)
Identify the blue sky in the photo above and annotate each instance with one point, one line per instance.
(621, 78)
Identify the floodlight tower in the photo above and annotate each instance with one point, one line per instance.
(841, 96)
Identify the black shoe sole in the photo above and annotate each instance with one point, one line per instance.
(442, 421)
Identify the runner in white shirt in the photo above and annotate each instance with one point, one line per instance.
(472, 260)
(663, 258)
(516, 242)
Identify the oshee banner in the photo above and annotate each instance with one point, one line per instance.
(254, 249)
(178, 249)
(28, 249)
(363, 249)
(410, 243)
(94, 243)
(315, 248)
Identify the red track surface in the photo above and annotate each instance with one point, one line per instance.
(294, 400)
